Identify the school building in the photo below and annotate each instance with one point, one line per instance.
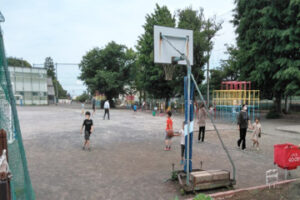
(30, 85)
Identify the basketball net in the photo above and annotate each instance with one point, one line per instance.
(169, 70)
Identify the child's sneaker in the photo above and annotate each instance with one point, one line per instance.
(166, 149)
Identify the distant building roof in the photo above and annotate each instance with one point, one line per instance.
(33, 68)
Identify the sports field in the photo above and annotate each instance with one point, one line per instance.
(127, 160)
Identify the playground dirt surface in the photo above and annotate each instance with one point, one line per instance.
(127, 160)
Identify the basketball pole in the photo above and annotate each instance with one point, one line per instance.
(189, 77)
(189, 71)
(189, 119)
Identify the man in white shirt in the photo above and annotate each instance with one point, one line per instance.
(106, 108)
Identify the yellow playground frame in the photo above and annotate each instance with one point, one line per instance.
(228, 103)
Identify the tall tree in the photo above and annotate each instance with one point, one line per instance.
(153, 75)
(150, 74)
(216, 77)
(107, 69)
(228, 71)
(49, 66)
(17, 62)
(268, 41)
(230, 67)
(204, 30)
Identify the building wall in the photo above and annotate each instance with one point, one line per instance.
(29, 85)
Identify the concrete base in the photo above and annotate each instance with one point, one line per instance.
(205, 180)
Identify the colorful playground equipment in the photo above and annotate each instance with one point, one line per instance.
(99, 98)
(236, 85)
(228, 102)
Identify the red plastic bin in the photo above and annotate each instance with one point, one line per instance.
(287, 156)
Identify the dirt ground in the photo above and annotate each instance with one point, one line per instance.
(127, 160)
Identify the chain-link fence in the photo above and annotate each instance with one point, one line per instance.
(21, 187)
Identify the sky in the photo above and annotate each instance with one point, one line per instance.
(67, 29)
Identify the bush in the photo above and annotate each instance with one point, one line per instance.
(202, 197)
(82, 98)
(174, 176)
(272, 114)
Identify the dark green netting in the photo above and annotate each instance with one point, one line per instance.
(21, 187)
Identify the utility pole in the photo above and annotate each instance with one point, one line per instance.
(207, 82)
(56, 85)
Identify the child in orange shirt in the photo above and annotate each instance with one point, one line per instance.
(169, 131)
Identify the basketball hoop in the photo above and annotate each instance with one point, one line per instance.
(169, 70)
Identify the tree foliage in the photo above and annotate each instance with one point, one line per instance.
(83, 97)
(17, 62)
(49, 66)
(152, 75)
(108, 69)
(228, 71)
(268, 42)
(204, 30)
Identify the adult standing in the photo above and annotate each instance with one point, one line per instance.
(94, 105)
(201, 122)
(106, 109)
(243, 121)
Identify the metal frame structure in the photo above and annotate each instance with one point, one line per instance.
(228, 103)
(236, 85)
(190, 78)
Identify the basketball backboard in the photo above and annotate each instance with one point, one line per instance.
(166, 39)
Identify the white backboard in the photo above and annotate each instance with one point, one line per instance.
(181, 39)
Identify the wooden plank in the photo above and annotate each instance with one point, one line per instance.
(209, 176)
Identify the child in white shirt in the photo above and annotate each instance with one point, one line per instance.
(182, 143)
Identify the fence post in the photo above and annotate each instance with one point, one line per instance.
(4, 179)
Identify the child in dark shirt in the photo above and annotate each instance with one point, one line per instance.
(89, 128)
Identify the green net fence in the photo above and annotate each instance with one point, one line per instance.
(21, 187)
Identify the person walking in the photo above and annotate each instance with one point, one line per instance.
(106, 109)
(243, 121)
(201, 116)
(94, 104)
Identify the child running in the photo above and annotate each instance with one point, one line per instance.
(256, 126)
(89, 128)
(169, 131)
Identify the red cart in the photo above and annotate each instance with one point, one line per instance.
(287, 156)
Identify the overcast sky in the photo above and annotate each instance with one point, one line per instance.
(67, 29)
